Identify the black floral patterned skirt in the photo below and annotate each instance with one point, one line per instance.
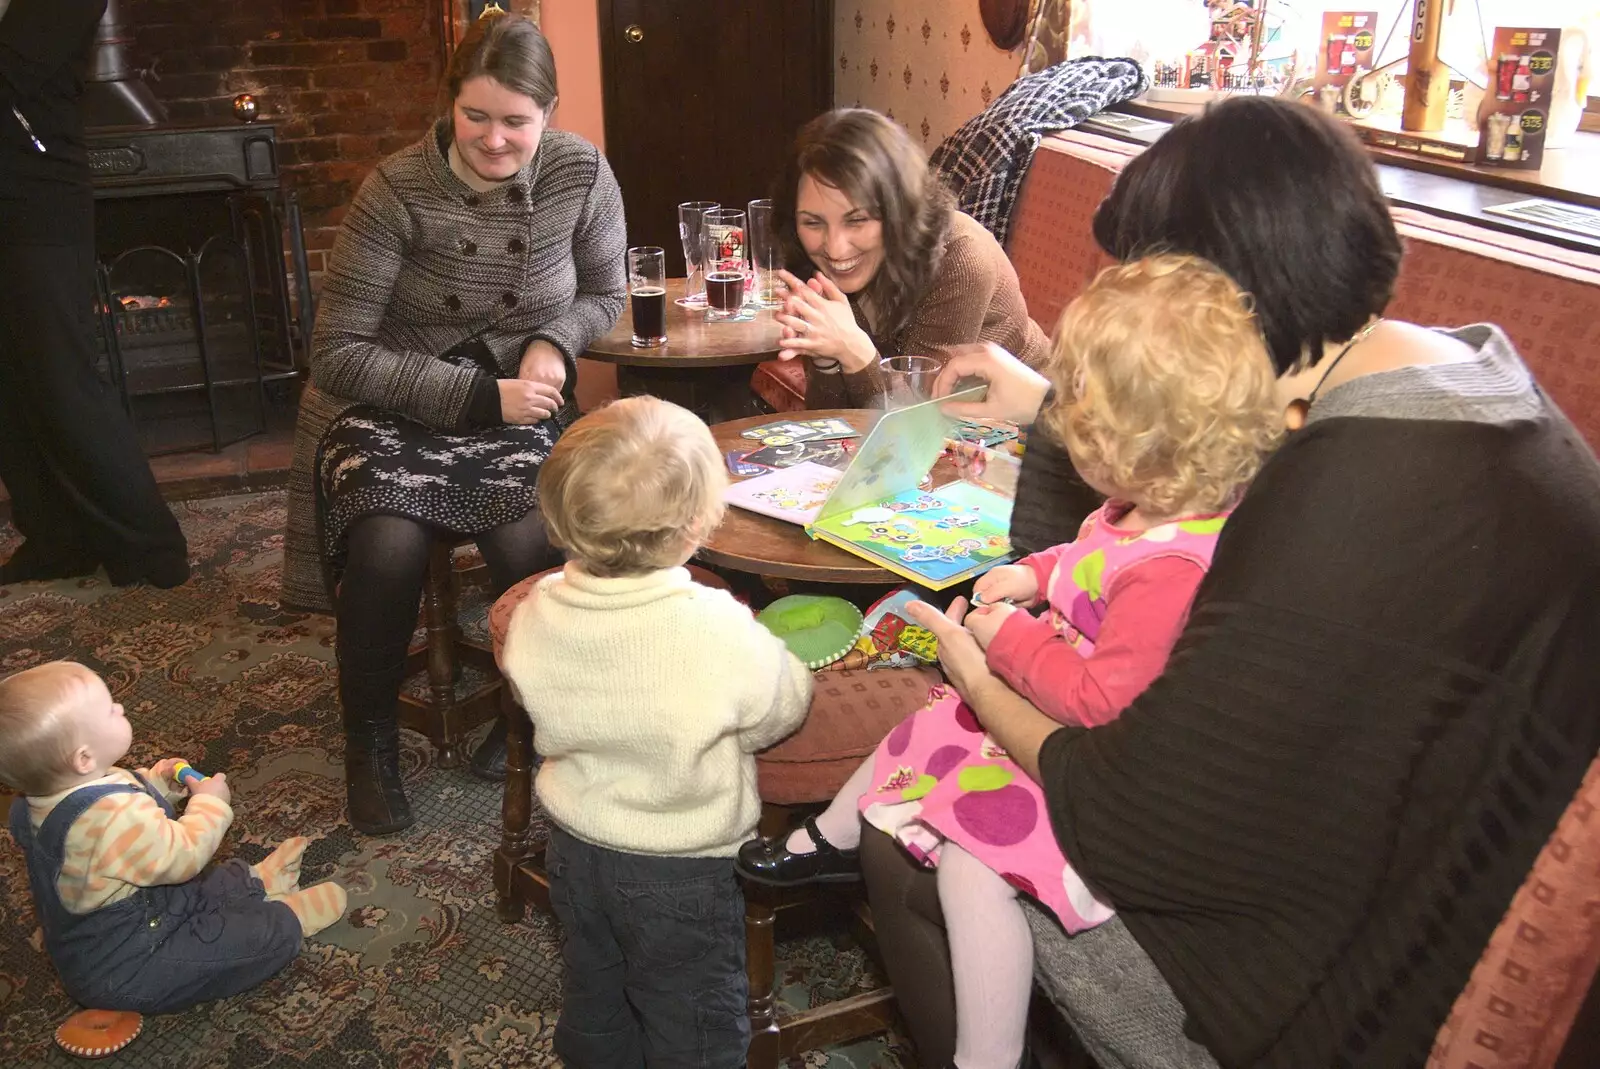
(374, 461)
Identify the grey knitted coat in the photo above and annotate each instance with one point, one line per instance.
(423, 263)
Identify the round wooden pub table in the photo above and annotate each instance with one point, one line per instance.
(704, 366)
(750, 542)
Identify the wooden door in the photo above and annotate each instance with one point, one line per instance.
(703, 99)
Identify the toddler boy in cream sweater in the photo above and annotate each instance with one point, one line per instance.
(649, 696)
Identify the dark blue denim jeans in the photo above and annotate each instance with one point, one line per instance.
(654, 959)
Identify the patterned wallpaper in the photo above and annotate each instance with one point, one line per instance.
(929, 66)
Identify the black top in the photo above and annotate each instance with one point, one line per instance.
(1385, 698)
(45, 196)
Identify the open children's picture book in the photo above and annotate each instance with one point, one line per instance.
(795, 494)
(874, 509)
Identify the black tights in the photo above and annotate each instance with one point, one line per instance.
(382, 588)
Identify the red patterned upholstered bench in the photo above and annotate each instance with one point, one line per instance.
(1546, 298)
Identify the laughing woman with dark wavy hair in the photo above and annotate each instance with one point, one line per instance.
(891, 267)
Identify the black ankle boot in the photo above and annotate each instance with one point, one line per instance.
(489, 759)
(374, 796)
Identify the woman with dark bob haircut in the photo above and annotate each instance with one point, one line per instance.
(893, 268)
(1384, 698)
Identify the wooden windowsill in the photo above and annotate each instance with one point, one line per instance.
(1570, 174)
(1453, 190)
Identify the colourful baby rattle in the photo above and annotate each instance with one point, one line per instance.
(184, 774)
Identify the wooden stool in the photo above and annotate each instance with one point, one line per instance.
(446, 715)
(851, 711)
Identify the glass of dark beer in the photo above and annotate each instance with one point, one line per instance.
(647, 290)
(724, 263)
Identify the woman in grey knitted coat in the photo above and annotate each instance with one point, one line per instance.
(470, 272)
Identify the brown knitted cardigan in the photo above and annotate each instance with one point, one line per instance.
(424, 263)
(974, 297)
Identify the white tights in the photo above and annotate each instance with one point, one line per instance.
(991, 946)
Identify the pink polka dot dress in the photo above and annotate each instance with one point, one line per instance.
(1117, 601)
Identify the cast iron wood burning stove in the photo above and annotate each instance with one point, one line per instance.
(194, 317)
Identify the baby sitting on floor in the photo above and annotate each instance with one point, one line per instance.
(129, 918)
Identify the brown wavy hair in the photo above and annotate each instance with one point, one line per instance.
(512, 50)
(876, 164)
(1165, 385)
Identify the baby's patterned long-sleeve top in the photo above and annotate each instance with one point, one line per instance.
(125, 841)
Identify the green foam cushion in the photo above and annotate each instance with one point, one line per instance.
(817, 629)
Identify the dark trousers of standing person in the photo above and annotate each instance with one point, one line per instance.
(379, 596)
(81, 490)
(653, 959)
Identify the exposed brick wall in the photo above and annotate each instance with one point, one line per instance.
(345, 81)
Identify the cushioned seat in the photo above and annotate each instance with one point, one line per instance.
(850, 712)
(781, 384)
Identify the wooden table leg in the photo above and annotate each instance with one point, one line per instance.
(516, 809)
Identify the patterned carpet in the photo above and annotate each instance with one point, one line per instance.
(421, 973)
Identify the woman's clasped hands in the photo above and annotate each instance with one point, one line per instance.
(535, 394)
(818, 322)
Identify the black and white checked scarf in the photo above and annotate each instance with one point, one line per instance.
(984, 162)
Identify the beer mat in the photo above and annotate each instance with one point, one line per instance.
(976, 432)
(737, 465)
(697, 303)
(788, 432)
(785, 432)
(831, 427)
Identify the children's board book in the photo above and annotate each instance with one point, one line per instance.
(795, 494)
(877, 511)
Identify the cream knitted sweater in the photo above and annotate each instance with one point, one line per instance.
(649, 696)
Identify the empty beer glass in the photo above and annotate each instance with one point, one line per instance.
(691, 230)
(765, 259)
(908, 380)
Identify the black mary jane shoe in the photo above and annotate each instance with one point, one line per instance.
(771, 862)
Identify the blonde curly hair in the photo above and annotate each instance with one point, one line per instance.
(632, 487)
(1164, 387)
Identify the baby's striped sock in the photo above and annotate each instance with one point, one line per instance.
(279, 871)
(317, 906)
